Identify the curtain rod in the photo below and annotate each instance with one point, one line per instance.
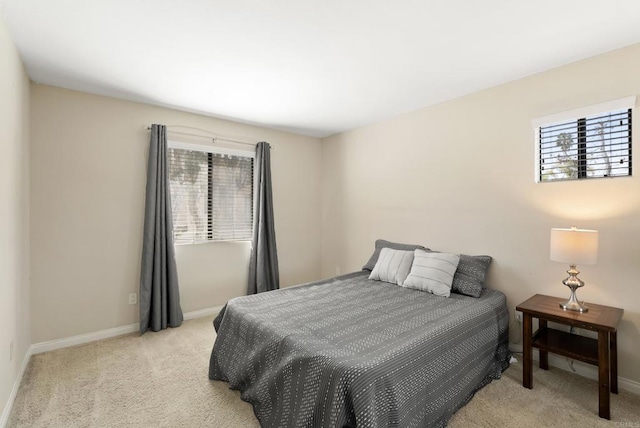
(212, 138)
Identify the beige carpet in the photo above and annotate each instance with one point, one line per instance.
(160, 380)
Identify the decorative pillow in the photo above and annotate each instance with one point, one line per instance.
(393, 266)
(470, 276)
(432, 272)
(380, 244)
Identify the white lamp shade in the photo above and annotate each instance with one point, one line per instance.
(574, 246)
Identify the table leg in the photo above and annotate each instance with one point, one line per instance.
(527, 364)
(614, 361)
(603, 374)
(544, 355)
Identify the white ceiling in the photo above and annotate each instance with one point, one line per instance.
(312, 67)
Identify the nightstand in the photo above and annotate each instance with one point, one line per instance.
(602, 352)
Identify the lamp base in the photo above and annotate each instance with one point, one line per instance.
(574, 306)
(573, 282)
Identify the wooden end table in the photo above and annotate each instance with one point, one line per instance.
(602, 352)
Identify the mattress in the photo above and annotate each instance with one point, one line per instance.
(349, 351)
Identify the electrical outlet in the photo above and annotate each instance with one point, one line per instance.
(133, 298)
(11, 351)
(518, 316)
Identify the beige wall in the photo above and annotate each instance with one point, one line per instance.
(88, 172)
(459, 177)
(14, 215)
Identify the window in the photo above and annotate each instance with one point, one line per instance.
(211, 193)
(592, 145)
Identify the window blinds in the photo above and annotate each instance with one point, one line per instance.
(211, 195)
(593, 146)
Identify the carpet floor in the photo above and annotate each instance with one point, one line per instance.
(160, 380)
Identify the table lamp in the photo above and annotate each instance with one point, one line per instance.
(574, 246)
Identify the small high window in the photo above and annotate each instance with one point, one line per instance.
(589, 145)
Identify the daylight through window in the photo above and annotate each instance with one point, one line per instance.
(211, 195)
(593, 146)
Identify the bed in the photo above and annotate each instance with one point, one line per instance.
(350, 351)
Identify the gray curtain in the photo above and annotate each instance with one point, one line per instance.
(263, 265)
(159, 295)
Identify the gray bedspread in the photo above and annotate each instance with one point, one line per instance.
(350, 351)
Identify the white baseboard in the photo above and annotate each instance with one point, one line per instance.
(586, 370)
(38, 348)
(202, 312)
(51, 345)
(14, 391)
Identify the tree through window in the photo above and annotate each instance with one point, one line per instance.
(589, 147)
(211, 195)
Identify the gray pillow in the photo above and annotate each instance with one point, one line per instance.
(393, 266)
(432, 272)
(470, 276)
(380, 244)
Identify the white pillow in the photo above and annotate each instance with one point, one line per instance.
(432, 272)
(392, 266)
